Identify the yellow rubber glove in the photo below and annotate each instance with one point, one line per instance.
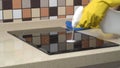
(94, 12)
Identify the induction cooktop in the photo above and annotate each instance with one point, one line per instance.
(53, 40)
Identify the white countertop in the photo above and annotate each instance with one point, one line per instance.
(15, 53)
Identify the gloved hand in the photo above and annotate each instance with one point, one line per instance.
(94, 12)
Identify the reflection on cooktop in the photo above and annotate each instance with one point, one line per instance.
(53, 40)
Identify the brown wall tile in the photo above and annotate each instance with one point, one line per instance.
(69, 10)
(26, 13)
(69, 2)
(44, 12)
(17, 4)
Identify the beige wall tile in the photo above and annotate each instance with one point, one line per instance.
(69, 2)
(61, 10)
(36, 12)
(7, 14)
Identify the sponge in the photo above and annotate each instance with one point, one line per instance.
(69, 26)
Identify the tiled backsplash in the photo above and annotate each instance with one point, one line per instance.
(27, 10)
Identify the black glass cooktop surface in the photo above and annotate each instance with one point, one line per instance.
(53, 40)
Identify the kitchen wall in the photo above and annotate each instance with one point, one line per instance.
(30, 10)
